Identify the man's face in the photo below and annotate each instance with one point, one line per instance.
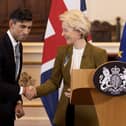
(20, 30)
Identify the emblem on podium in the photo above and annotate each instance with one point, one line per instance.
(110, 78)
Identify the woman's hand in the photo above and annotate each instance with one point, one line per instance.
(68, 93)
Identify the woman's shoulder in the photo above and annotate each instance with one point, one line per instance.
(95, 48)
(64, 48)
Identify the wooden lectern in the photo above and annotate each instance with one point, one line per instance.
(111, 110)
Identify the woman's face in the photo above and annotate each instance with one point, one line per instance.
(70, 34)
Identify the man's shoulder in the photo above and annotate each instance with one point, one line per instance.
(3, 41)
(3, 37)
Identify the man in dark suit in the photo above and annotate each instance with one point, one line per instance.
(20, 23)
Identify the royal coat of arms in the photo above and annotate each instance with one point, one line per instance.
(110, 78)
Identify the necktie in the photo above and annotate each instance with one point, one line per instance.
(17, 59)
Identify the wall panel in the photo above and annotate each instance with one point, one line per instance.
(39, 9)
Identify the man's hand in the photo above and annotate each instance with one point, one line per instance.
(19, 110)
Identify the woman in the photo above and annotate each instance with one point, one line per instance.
(78, 53)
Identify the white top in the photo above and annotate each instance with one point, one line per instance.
(76, 58)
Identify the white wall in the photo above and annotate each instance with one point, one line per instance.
(106, 10)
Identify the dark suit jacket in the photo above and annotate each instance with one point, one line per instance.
(9, 88)
(92, 58)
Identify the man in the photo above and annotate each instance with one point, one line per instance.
(20, 23)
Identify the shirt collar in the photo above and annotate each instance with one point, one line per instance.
(13, 41)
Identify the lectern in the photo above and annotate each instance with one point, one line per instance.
(111, 110)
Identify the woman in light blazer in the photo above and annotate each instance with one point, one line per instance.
(78, 53)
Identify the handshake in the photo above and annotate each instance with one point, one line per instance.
(29, 92)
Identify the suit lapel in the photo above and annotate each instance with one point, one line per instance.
(20, 60)
(68, 58)
(84, 56)
(84, 60)
(9, 50)
(10, 53)
(67, 63)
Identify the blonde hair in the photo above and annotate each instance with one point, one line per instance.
(77, 20)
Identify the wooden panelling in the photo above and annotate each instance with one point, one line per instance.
(4, 9)
(13, 4)
(39, 9)
(105, 32)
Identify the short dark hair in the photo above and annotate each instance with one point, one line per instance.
(21, 14)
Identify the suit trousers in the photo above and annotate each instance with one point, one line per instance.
(7, 123)
(7, 114)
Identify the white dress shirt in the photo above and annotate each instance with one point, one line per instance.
(76, 58)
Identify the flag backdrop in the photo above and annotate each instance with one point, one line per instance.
(122, 51)
(53, 40)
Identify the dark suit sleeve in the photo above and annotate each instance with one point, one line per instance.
(20, 98)
(7, 90)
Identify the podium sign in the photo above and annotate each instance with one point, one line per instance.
(111, 110)
(81, 83)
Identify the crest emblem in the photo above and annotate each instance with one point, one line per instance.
(110, 78)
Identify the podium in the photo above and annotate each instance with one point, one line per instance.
(111, 110)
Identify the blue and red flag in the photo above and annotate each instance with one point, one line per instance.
(122, 50)
(53, 40)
